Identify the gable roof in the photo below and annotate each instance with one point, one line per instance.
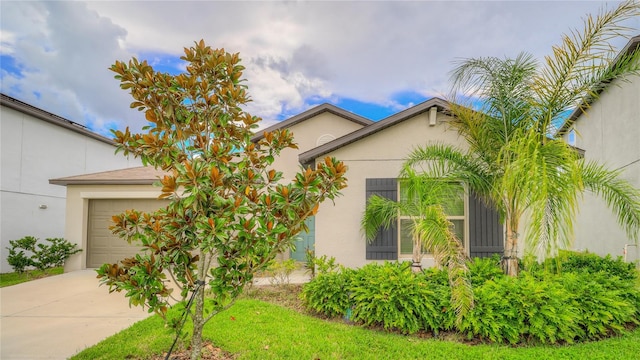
(632, 46)
(51, 118)
(314, 111)
(375, 127)
(141, 175)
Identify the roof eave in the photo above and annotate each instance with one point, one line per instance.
(65, 182)
(315, 111)
(632, 45)
(51, 118)
(308, 156)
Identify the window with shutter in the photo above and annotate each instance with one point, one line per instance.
(385, 244)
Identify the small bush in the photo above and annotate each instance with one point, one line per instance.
(485, 269)
(328, 293)
(326, 265)
(27, 252)
(393, 296)
(17, 258)
(493, 316)
(604, 304)
(571, 261)
(279, 272)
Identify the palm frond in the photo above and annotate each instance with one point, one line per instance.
(577, 68)
(451, 164)
(438, 238)
(379, 212)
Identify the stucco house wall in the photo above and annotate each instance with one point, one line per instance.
(321, 123)
(36, 146)
(610, 134)
(378, 155)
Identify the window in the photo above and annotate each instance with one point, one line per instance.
(454, 208)
(571, 137)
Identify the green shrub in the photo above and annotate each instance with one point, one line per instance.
(396, 298)
(546, 309)
(604, 304)
(538, 306)
(328, 293)
(326, 265)
(17, 258)
(279, 271)
(494, 316)
(571, 261)
(27, 252)
(484, 269)
(310, 262)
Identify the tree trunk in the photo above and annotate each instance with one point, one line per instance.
(198, 325)
(416, 264)
(198, 314)
(510, 258)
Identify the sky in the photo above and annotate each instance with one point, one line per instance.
(372, 58)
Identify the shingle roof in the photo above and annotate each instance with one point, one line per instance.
(142, 175)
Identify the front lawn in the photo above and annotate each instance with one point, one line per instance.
(9, 279)
(255, 329)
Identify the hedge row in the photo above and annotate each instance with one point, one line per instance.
(575, 297)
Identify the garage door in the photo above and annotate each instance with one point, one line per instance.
(102, 246)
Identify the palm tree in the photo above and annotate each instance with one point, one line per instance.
(424, 201)
(516, 159)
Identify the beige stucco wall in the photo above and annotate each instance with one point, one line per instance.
(77, 212)
(306, 134)
(377, 156)
(610, 135)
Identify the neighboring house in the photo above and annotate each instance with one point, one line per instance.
(609, 132)
(374, 152)
(37, 146)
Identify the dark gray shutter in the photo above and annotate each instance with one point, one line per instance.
(486, 233)
(385, 244)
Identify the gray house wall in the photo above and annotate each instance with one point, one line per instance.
(610, 134)
(35, 147)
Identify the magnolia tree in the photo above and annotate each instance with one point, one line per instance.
(229, 211)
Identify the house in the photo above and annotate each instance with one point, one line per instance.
(37, 146)
(374, 152)
(374, 155)
(609, 132)
(94, 198)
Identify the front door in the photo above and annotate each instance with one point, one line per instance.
(305, 240)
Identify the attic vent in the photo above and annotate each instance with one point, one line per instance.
(325, 139)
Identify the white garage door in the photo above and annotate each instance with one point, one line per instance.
(102, 246)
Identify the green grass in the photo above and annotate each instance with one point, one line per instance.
(9, 279)
(254, 329)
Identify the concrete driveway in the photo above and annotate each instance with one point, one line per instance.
(56, 317)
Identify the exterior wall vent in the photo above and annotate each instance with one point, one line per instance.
(325, 139)
(433, 111)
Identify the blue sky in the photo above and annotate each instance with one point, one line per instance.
(371, 58)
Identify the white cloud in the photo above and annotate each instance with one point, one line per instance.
(293, 51)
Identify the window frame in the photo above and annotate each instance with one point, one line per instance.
(464, 217)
